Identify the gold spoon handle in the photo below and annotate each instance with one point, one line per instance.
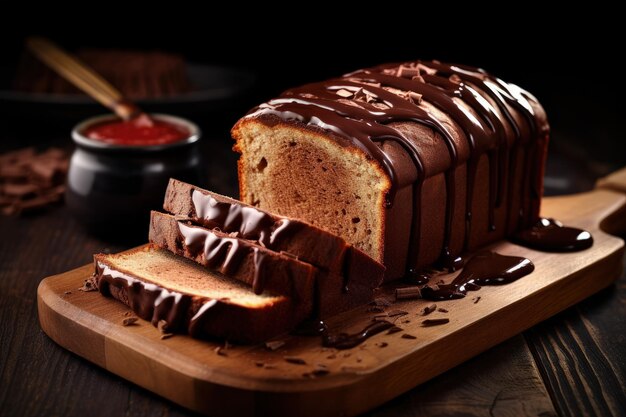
(82, 76)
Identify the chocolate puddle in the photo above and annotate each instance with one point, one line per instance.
(549, 235)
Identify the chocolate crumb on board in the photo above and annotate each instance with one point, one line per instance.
(434, 322)
(128, 321)
(406, 321)
(408, 336)
(259, 364)
(397, 313)
(88, 286)
(220, 350)
(382, 344)
(429, 309)
(320, 372)
(274, 344)
(381, 302)
(408, 293)
(394, 329)
(295, 360)
(31, 181)
(442, 310)
(162, 326)
(359, 359)
(476, 299)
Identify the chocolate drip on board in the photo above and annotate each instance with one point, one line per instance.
(550, 235)
(360, 107)
(484, 268)
(347, 340)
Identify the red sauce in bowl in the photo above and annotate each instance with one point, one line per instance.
(136, 132)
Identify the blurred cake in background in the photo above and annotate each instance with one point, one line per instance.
(137, 74)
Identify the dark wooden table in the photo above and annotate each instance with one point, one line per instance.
(571, 365)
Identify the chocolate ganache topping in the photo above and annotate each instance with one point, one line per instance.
(154, 303)
(497, 119)
(249, 222)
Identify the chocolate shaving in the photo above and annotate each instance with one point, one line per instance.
(29, 181)
(382, 344)
(455, 79)
(259, 364)
(381, 302)
(429, 309)
(407, 72)
(476, 299)
(162, 325)
(320, 372)
(220, 350)
(274, 344)
(408, 336)
(434, 322)
(295, 360)
(394, 329)
(442, 310)
(344, 93)
(414, 97)
(397, 313)
(88, 286)
(408, 293)
(129, 321)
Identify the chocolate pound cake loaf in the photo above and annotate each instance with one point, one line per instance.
(412, 163)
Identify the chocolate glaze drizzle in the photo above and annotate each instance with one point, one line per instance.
(223, 254)
(347, 341)
(484, 268)
(361, 106)
(154, 303)
(550, 235)
(249, 222)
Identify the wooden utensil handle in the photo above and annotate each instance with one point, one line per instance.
(616, 222)
(83, 77)
(615, 181)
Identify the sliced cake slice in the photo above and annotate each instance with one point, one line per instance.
(263, 268)
(282, 234)
(160, 286)
(240, 259)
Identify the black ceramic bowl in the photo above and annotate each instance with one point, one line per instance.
(112, 188)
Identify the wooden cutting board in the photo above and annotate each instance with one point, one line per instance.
(251, 380)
